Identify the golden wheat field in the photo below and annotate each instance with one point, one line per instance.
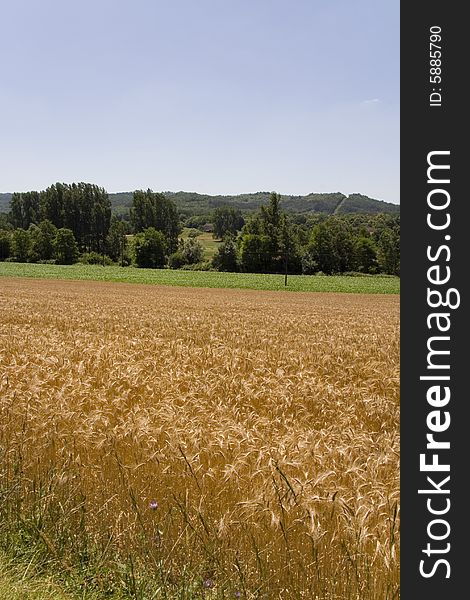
(191, 443)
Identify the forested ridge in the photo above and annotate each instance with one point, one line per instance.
(192, 203)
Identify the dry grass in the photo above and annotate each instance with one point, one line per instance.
(265, 426)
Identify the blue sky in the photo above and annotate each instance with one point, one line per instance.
(212, 96)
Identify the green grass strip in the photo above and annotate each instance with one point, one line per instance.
(378, 284)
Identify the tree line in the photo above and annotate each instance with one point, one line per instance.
(273, 242)
(70, 222)
(83, 208)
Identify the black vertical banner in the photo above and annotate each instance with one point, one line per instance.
(435, 419)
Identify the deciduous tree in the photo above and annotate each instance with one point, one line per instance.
(150, 248)
(65, 247)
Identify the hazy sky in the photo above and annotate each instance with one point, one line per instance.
(213, 96)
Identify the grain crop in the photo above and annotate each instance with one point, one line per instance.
(189, 443)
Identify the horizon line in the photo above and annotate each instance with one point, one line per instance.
(209, 194)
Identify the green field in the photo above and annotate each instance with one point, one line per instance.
(208, 279)
(209, 243)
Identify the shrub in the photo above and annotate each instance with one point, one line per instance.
(226, 258)
(94, 258)
(200, 266)
(176, 260)
(192, 251)
(197, 221)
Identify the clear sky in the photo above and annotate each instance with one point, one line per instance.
(212, 96)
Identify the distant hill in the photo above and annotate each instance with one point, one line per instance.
(5, 202)
(191, 203)
(357, 203)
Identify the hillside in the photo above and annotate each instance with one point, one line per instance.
(5, 202)
(191, 203)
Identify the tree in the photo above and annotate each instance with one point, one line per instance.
(65, 247)
(100, 220)
(388, 252)
(5, 244)
(52, 204)
(5, 222)
(366, 255)
(343, 243)
(24, 209)
(262, 239)
(320, 252)
(150, 209)
(21, 245)
(255, 253)
(197, 221)
(33, 232)
(381, 222)
(42, 240)
(289, 246)
(226, 257)
(227, 220)
(83, 208)
(116, 242)
(150, 248)
(331, 247)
